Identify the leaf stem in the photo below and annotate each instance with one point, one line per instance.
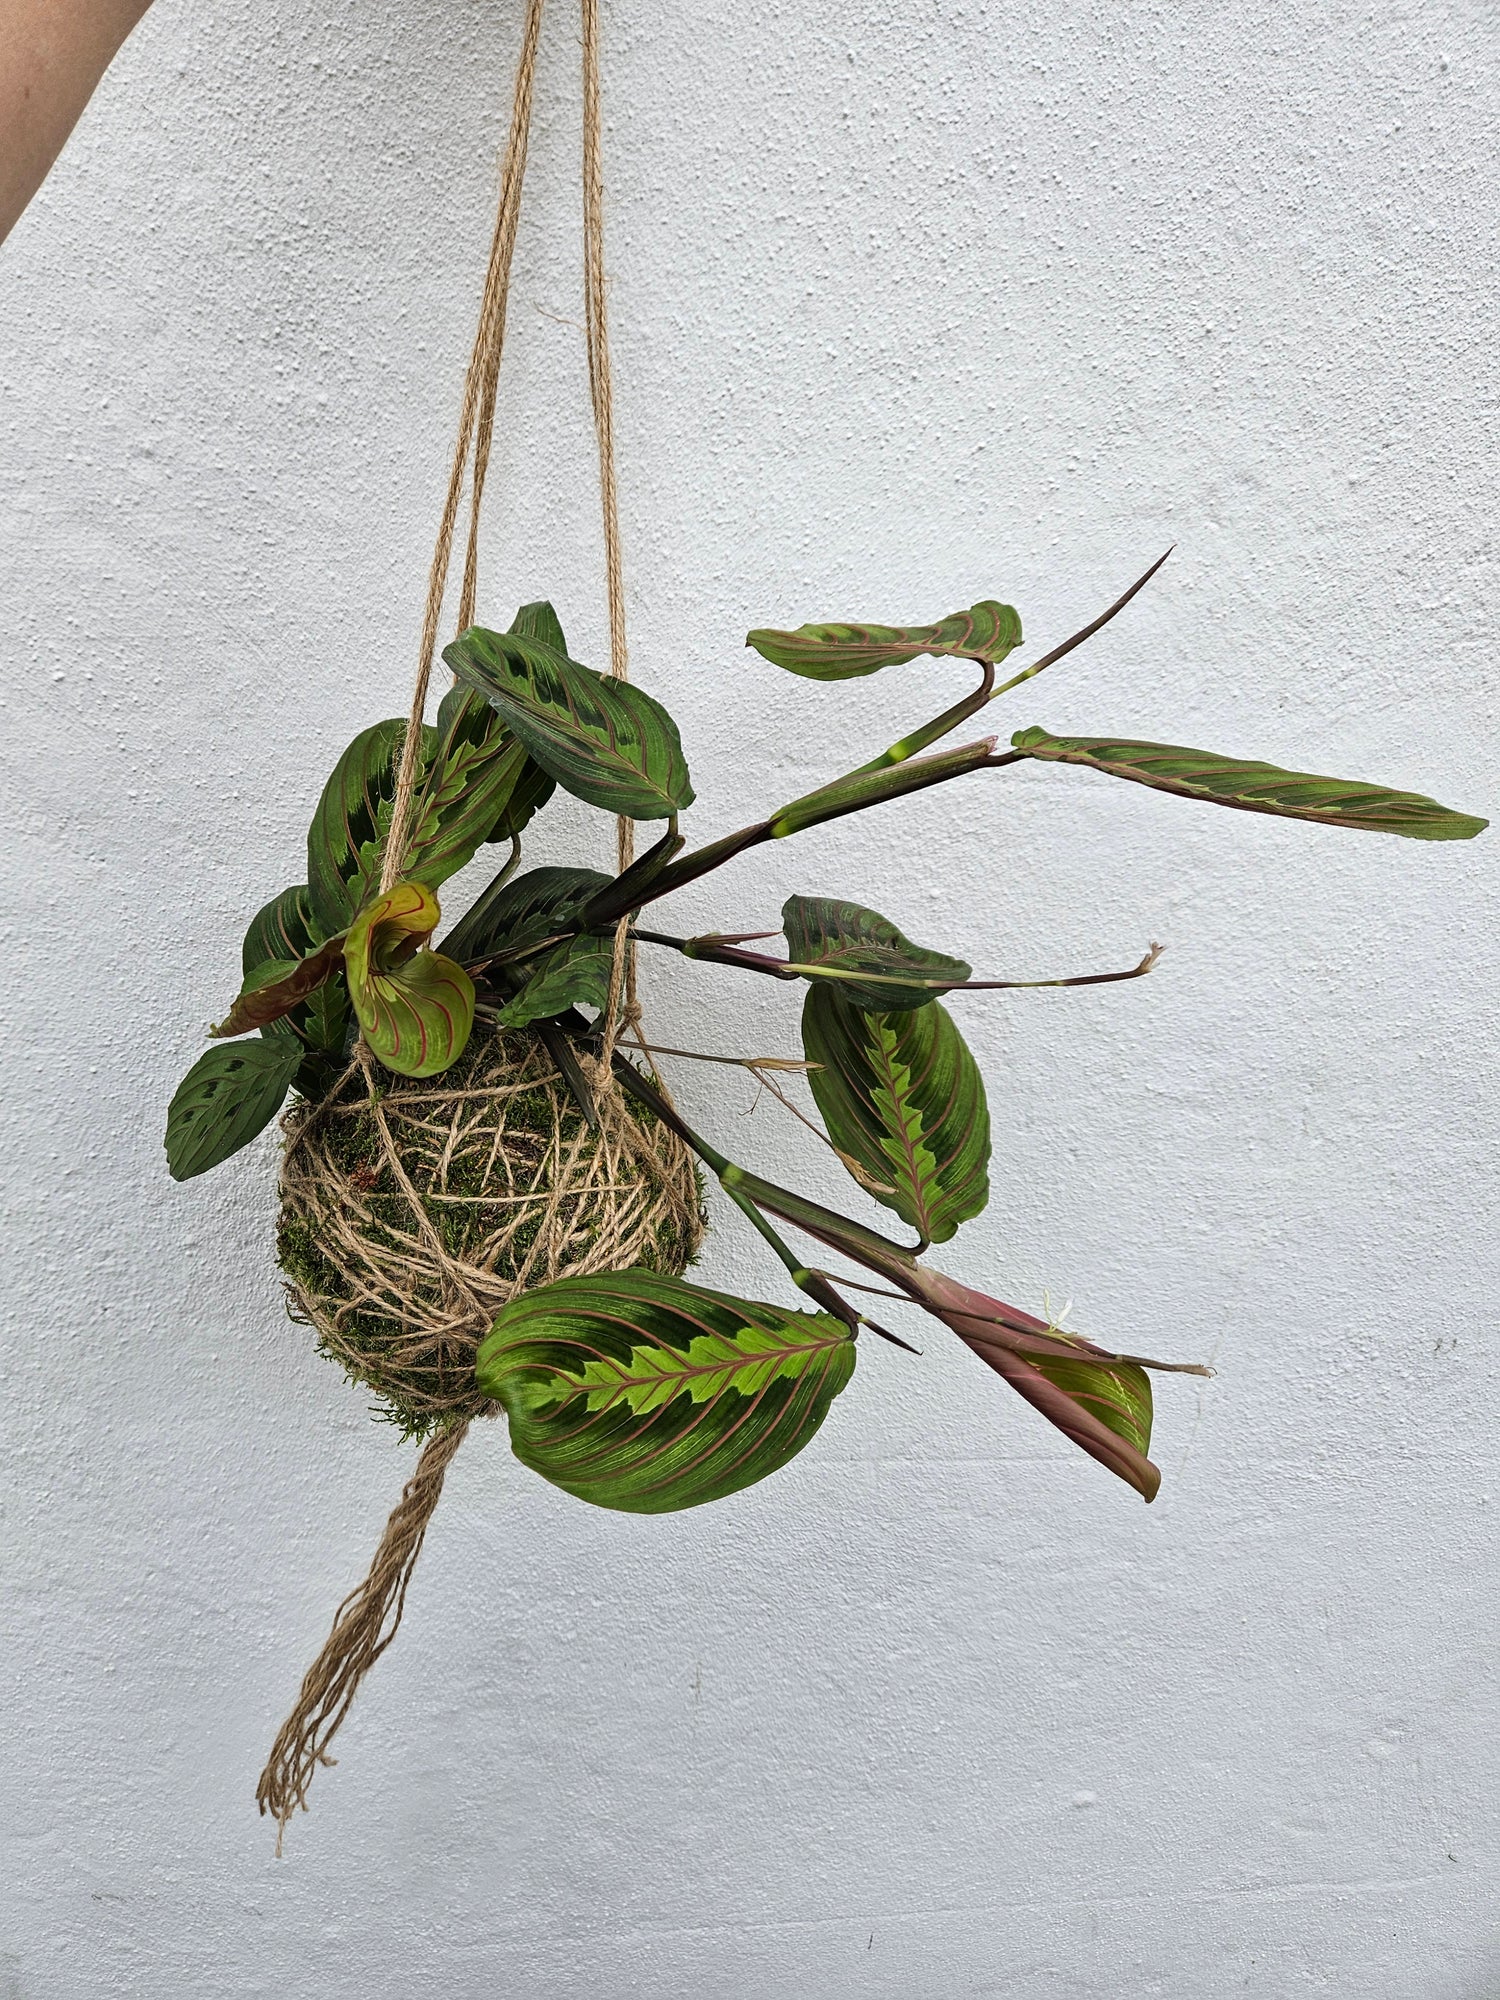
(854, 792)
(646, 867)
(755, 1064)
(909, 746)
(1086, 632)
(712, 949)
(558, 1046)
(1008, 1334)
(455, 942)
(865, 1246)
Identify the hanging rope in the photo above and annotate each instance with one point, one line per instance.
(601, 395)
(368, 1619)
(475, 427)
(363, 1626)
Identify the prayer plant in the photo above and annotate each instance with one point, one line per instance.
(634, 1389)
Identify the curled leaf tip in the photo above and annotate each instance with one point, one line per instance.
(415, 1007)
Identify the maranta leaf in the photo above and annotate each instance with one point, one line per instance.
(484, 784)
(603, 740)
(230, 1093)
(986, 631)
(476, 770)
(275, 987)
(1099, 1401)
(535, 906)
(831, 939)
(575, 972)
(347, 835)
(284, 929)
(903, 1099)
(415, 1006)
(1253, 787)
(639, 1391)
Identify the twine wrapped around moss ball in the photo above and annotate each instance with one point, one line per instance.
(412, 1211)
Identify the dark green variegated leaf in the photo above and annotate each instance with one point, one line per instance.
(872, 787)
(638, 1391)
(536, 905)
(573, 973)
(416, 1007)
(349, 827)
(277, 986)
(986, 631)
(1263, 788)
(829, 939)
(469, 791)
(533, 788)
(284, 929)
(603, 740)
(540, 622)
(323, 1031)
(484, 784)
(227, 1096)
(904, 1103)
(325, 1019)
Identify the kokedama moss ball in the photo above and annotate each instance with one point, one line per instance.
(411, 1212)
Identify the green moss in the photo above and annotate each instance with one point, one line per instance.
(532, 1119)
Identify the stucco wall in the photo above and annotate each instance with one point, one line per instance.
(913, 304)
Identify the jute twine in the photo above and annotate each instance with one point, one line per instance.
(413, 1212)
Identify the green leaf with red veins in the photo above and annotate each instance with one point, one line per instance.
(1251, 787)
(639, 1391)
(834, 940)
(575, 972)
(534, 907)
(904, 1104)
(1117, 1393)
(346, 840)
(472, 785)
(603, 740)
(986, 631)
(284, 929)
(484, 784)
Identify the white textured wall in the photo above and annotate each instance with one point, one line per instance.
(914, 304)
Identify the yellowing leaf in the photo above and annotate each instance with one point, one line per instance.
(415, 1007)
(276, 987)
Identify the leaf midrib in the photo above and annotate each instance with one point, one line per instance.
(696, 1371)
